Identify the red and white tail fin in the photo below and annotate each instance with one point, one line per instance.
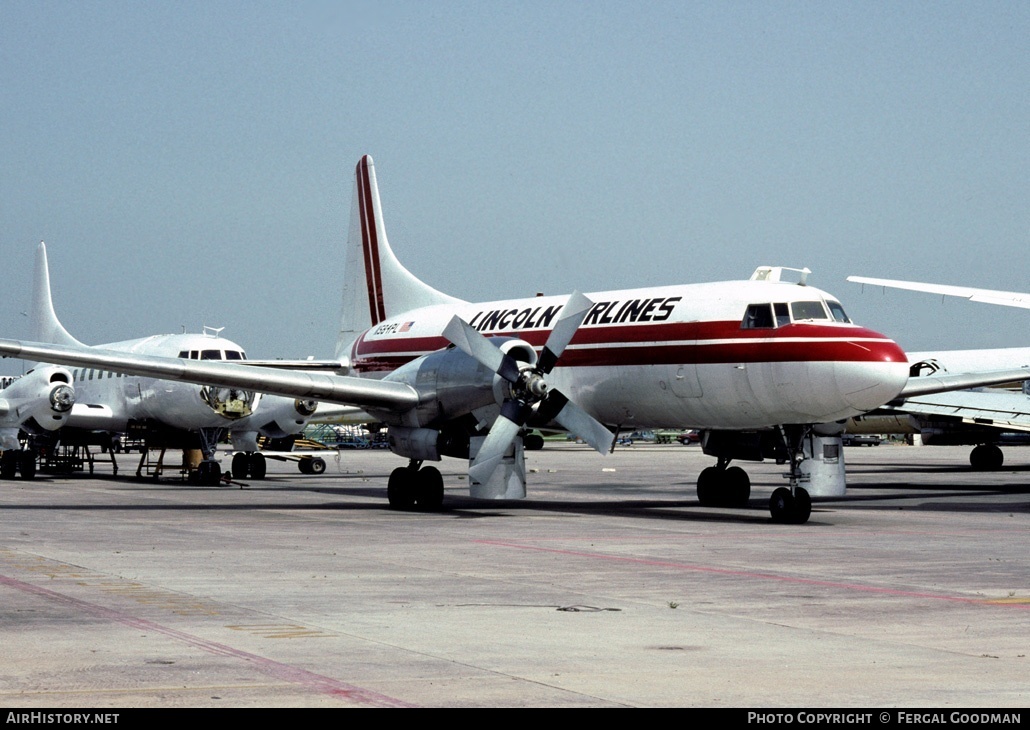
(375, 285)
(43, 321)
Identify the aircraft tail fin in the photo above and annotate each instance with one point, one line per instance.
(43, 321)
(375, 286)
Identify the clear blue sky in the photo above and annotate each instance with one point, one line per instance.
(190, 163)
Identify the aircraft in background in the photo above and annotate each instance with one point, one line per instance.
(34, 403)
(166, 414)
(977, 418)
(765, 367)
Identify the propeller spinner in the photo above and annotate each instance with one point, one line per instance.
(529, 390)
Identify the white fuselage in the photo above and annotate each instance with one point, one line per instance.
(729, 355)
(108, 401)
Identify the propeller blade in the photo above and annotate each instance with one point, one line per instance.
(503, 432)
(472, 342)
(572, 315)
(580, 423)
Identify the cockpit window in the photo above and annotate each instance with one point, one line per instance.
(234, 355)
(758, 316)
(782, 314)
(210, 354)
(837, 311)
(807, 310)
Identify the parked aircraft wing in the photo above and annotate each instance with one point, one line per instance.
(363, 392)
(929, 384)
(984, 296)
(1001, 409)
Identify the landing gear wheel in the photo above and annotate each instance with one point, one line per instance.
(240, 465)
(781, 505)
(802, 506)
(986, 457)
(9, 464)
(304, 465)
(737, 487)
(400, 490)
(208, 474)
(258, 466)
(429, 489)
(533, 442)
(27, 464)
(708, 486)
(316, 465)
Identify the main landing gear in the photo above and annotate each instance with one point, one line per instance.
(21, 462)
(411, 487)
(986, 457)
(250, 465)
(723, 486)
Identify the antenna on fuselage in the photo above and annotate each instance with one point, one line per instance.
(212, 331)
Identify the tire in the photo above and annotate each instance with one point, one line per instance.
(400, 489)
(736, 487)
(986, 457)
(802, 506)
(316, 465)
(781, 505)
(258, 466)
(240, 465)
(429, 489)
(708, 486)
(27, 464)
(9, 464)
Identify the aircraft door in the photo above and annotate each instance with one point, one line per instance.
(684, 381)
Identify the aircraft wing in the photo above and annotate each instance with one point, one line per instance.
(366, 393)
(984, 296)
(931, 384)
(1001, 409)
(308, 364)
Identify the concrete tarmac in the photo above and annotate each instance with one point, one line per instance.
(610, 586)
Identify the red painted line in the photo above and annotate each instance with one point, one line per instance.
(757, 576)
(370, 245)
(284, 672)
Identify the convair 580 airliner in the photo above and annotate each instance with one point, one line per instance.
(767, 368)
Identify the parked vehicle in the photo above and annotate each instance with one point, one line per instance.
(861, 439)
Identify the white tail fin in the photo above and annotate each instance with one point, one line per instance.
(43, 322)
(375, 285)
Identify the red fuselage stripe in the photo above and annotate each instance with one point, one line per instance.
(674, 343)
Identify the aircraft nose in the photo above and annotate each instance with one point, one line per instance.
(876, 378)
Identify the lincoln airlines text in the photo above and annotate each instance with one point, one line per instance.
(632, 310)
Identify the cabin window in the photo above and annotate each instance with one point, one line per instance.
(837, 311)
(807, 310)
(758, 316)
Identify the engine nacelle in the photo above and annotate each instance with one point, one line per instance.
(428, 444)
(278, 416)
(451, 384)
(40, 399)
